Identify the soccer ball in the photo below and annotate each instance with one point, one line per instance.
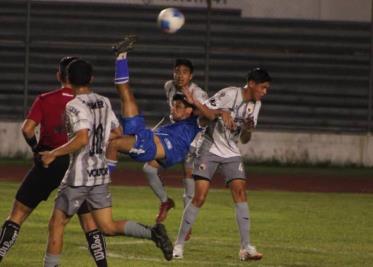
(170, 20)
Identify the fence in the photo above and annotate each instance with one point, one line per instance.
(320, 69)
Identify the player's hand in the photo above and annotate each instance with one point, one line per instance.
(228, 120)
(47, 157)
(249, 123)
(188, 95)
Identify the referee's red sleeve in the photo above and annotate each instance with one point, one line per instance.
(35, 112)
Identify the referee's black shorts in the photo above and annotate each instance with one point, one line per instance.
(40, 182)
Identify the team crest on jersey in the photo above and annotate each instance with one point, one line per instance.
(202, 167)
(250, 108)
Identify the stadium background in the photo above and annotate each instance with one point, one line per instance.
(319, 109)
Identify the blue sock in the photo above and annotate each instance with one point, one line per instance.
(112, 165)
(121, 69)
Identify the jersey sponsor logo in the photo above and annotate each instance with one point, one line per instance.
(168, 143)
(98, 172)
(137, 151)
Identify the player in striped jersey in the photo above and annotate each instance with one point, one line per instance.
(183, 74)
(90, 124)
(47, 111)
(219, 150)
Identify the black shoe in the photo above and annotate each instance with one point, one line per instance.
(161, 239)
(125, 45)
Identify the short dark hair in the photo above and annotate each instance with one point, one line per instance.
(259, 75)
(62, 66)
(181, 97)
(79, 72)
(184, 62)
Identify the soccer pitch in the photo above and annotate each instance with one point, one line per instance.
(290, 229)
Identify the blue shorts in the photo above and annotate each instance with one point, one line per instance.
(174, 152)
(144, 149)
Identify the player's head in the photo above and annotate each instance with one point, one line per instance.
(258, 83)
(183, 72)
(180, 109)
(62, 67)
(79, 73)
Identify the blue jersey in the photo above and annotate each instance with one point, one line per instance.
(176, 139)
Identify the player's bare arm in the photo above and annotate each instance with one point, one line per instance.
(79, 141)
(210, 114)
(28, 131)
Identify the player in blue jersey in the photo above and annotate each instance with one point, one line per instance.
(168, 144)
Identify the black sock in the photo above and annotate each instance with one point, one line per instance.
(8, 236)
(97, 247)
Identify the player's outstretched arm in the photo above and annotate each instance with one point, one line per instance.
(208, 114)
(80, 140)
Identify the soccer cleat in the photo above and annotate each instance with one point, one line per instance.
(178, 252)
(162, 241)
(125, 45)
(188, 235)
(163, 210)
(249, 253)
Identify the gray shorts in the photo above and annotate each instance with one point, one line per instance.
(189, 159)
(69, 198)
(206, 164)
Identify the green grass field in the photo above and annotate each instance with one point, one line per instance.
(291, 229)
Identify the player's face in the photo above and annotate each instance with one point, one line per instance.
(179, 111)
(182, 76)
(258, 90)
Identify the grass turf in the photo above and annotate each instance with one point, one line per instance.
(291, 229)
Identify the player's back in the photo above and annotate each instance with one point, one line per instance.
(93, 112)
(48, 110)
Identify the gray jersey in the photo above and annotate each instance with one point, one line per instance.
(88, 165)
(221, 141)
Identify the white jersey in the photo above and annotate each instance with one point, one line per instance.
(197, 93)
(88, 165)
(221, 141)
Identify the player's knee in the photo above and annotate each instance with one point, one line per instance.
(148, 169)
(198, 201)
(108, 229)
(239, 194)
